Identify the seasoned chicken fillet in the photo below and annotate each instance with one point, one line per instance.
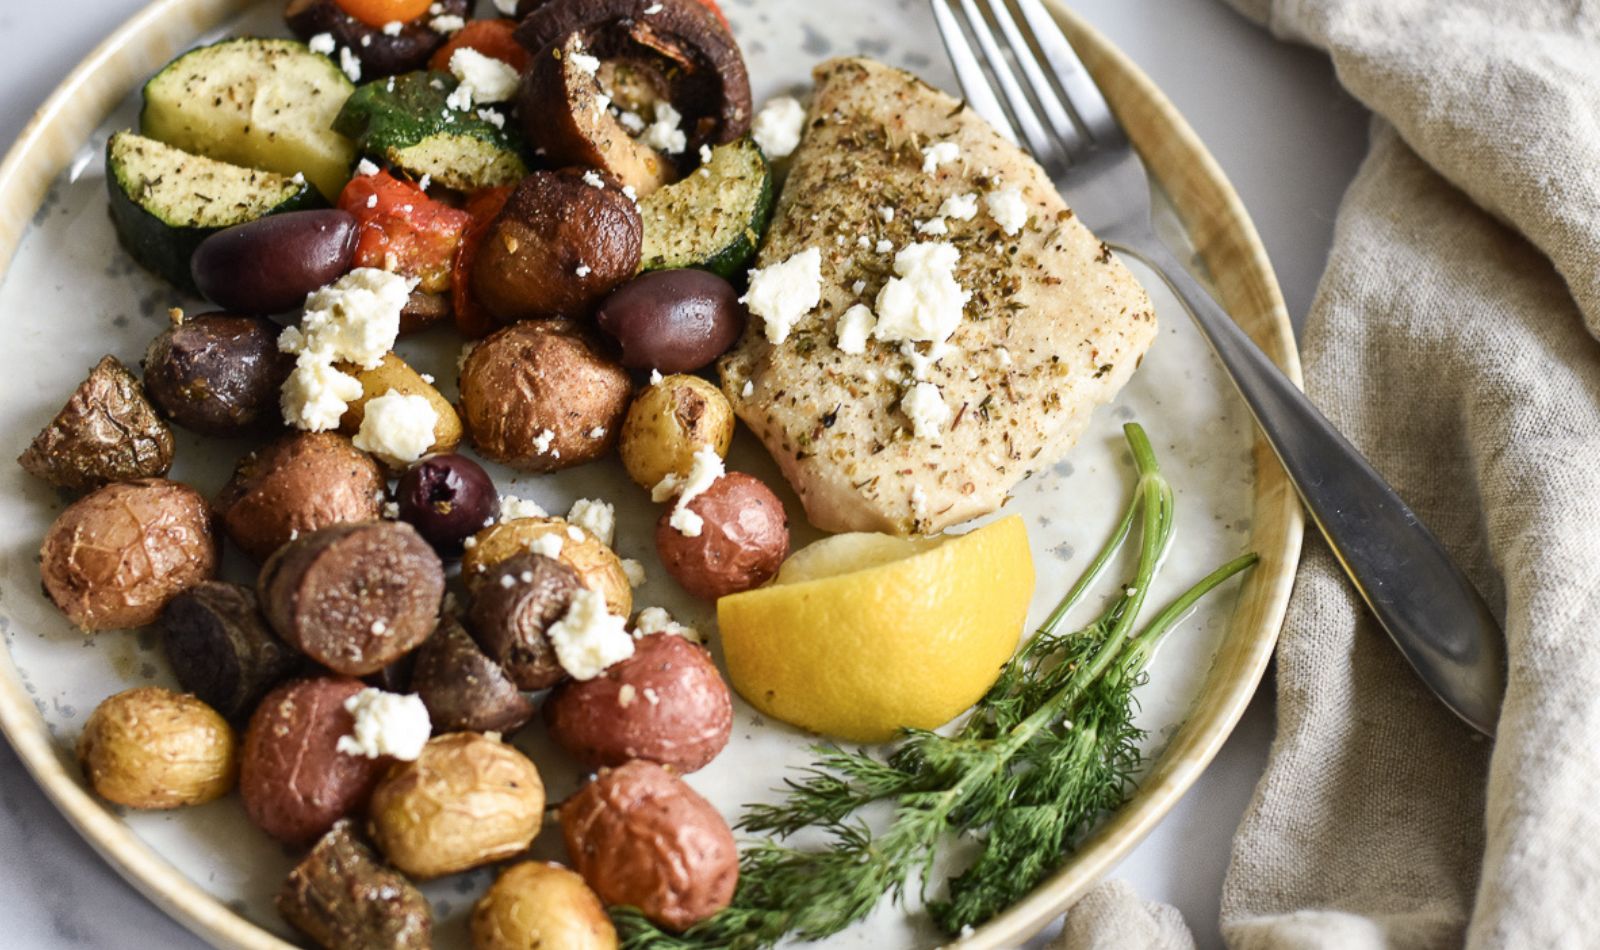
(901, 401)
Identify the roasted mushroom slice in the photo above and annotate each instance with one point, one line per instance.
(678, 49)
(563, 241)
(381, 50)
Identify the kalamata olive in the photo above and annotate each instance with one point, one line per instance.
(217, 374)
(675, 321)
(447, 498)
(270, 264)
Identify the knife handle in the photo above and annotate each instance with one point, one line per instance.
(1419, 596)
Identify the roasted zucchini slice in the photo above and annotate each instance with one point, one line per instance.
(713, 218)
(261, 103)
(409, 122)
(165, 201)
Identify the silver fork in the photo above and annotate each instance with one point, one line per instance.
(1024, 77)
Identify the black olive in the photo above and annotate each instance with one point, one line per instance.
(447, 498)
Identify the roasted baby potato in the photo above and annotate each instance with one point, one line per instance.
(396, 375)
(598, 566)
(152, 748)
(668, 422)
(741, 540)
(343, 897)
(107, 432)
(302, 482)
(116, 556)
(467, 800)
(544, 905)
(218, 374)
(541, 396)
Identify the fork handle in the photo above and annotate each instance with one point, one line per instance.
(1430, 609)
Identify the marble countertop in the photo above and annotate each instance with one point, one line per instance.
(1272, 114)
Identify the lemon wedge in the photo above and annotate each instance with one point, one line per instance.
(860, 635)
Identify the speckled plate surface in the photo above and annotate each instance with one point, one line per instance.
(70, 295)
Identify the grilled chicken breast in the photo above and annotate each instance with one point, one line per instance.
(899, 187)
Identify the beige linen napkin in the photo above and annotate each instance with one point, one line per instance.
(1453, 339)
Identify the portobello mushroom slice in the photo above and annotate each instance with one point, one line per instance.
(677, 47)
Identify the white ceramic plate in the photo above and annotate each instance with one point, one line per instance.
(70, 295)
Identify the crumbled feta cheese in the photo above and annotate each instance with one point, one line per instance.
(597, 517)
(655, 377)
(626, 693)
(582, 270)
(365, 167)
(386, 724)
(652, 9)
(506, 7)
(634, 572)
(924, 302)
(664, 134)
(863, 242)
(1007, 208)
(629, 193)
(585, 63)
(355, 319)
(350, 63)
(485, 78)
(631, 122)
(424, 181)
(541, 442)
(705, 154)
(887, 213)
(588, 637)
(960, 207)
(919, 501)
(748, 389)
(858, 287)
(323, 43)
(653, 620)
(939, 153)
(777, 128)
(448, 23)
(397, 428)
(593, 180)
(492, 117)
(884, 247)
(393, 28)
(298, 179)
(705, 470)
(391, 511)
(315, 396)
(853, 328)
(935, 226)
(1003, 355)
(512, 508)
(575, 533)
(372, 201)
(782, 294)
(923, 405)
(549, 545)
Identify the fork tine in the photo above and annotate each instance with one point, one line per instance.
(1076, 85)
(1035, 136)
(1057, 114)
(969, 72)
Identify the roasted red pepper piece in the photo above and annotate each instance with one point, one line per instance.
(402, 230)
(471, 318)
(492, 38)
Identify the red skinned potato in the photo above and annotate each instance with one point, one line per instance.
(354, 597)
(561, 243)
(667, 704)
(743, 538)
(641, 837)
(294, 781)
(116, 556)
(541, 396)
(302, 482)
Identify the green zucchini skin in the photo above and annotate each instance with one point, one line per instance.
(713, 218)
(165, 201)
(261, 103)
(408, 122)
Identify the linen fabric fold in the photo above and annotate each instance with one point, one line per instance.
(1453, 339)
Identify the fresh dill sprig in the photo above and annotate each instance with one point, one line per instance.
(1050, 748)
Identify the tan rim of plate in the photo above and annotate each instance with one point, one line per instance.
(1218, 226)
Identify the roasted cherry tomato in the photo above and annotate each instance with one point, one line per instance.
(492, 38)
(402, 230)
(471, 318)
(379, 12)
